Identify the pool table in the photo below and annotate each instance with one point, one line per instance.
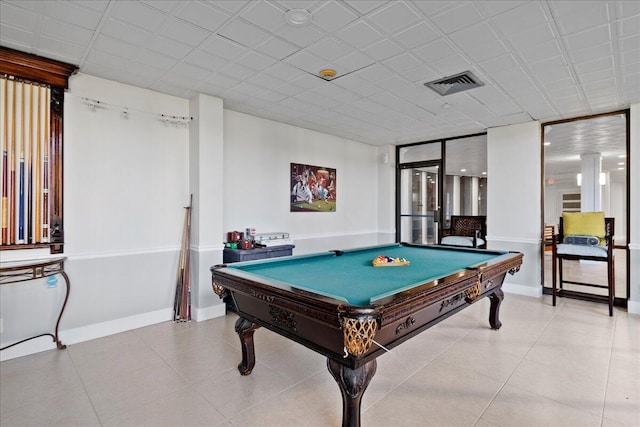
(341, 306)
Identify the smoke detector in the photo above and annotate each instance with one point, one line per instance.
(327, 74)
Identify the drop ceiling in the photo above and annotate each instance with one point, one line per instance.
(538, 60)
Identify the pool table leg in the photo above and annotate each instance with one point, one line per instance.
(245, 329)
(352, 383)
(496, 298)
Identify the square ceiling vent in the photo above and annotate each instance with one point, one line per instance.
(454, 84)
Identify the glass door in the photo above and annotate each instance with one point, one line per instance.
(419, 202)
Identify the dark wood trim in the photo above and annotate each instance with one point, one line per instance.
(35, 68)
(55, 74)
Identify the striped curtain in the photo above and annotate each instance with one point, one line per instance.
(25, 169)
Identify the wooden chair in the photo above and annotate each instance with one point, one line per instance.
(564, 247)
(466, 230)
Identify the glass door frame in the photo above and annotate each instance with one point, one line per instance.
(437, 216)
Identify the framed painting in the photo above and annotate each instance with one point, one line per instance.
(312, 188)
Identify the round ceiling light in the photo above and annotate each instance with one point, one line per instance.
(297, 17)
(327, 74)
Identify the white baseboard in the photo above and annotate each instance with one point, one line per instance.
(529, 291)
(103, 329)
(633, 307)
(211, 312)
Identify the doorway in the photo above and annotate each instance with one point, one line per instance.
(592, 149)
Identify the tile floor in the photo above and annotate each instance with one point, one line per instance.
(570, 365)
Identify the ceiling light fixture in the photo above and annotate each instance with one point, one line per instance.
(297, 17)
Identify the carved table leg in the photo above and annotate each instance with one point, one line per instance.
(245, 329)
(352, 383)
(496, 298)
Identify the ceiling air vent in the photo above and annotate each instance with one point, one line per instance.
(455, 83)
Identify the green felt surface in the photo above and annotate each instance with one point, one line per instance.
(352, 278)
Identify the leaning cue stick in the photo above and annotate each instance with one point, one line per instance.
(21, 189)
(38, 166)
(45, 173)
(177, 305)
(5, 176)
(188, 261)
(12, 162)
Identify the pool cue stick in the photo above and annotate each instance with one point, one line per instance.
(38, 166)
(188, 259)
(21, 189)
(30, 170)
(5, 175)
(45, 173)
(12, 168)
(180, 279)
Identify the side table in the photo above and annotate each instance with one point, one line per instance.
(21, 271)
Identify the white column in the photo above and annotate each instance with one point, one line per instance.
(474, 195)
(455, 195)
(590, 191)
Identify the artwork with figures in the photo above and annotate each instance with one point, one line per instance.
(312, 188)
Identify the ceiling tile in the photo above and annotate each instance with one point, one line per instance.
(458, 18)
(116, 47)
(256, 61)
(128, 33)
(365, 6)
(605, 63)
(166, 6)
(450, 65)
(65, 31)
(307, 62)
(359, 35)
(188, 34)
(533, 36)
(264, 15)
(202, 15)
(156, 60)
(169, 47)
(585, 39)
(224, 48)
(435, 51)
(229, 6)
(354, 61)
(540, 51)
(420, 74)
(243, 33)
(496, 7)
(417, 35)
(277, 48)
(403, 62)
(329, 49)
(301, 37)
(332, 15)
(629, 27)
(393, 17)
(74, 13)
(433, 7)
(521, 18)
(382, 50)
(17, 17)
(591, 14)
(237, 71)
(206, 60)
(138, 14)
(60, 49)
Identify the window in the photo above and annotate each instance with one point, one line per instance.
(31, 104)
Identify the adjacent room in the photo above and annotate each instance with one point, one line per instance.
(320, 213)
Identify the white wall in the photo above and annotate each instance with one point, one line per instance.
(257, 158)
(127, 182)
(634, 189)
(513, 200)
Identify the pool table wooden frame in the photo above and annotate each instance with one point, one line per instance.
(345, 334)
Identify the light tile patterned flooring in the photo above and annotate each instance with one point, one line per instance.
(570, 365)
